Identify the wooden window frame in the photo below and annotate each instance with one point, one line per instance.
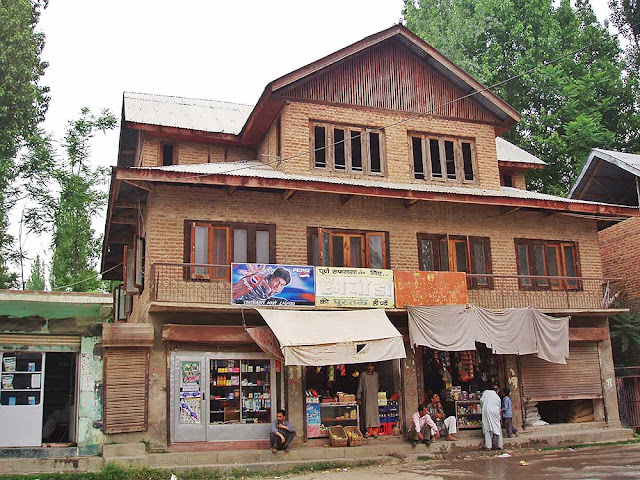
(472, 282)
(364, 234)
(556, 285)
(458, 157)
(251, 228)
(174, 160)
(139, 259)
(365, 148)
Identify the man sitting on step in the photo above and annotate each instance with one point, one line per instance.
(422, 427)
(282, 433)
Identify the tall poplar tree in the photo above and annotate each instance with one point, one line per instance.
(23, 103)
(567, 72)
(69, 193)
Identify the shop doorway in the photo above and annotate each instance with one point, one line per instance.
(459, 378)
(59, 398)
(331, 397)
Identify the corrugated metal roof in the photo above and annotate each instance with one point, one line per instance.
(259, 169)
(508, 152)
(628, 162)
(188, 113)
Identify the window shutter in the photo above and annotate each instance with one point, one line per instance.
(126, 386)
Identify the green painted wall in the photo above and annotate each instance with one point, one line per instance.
(90, 392)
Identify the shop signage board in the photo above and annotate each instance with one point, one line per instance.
(272, 285)
(430, 288)
(354, 287)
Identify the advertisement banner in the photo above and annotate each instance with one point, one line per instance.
(272, 285)
(430, 288)
(354, 287)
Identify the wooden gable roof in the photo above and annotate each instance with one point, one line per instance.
(392, 69)
(389, 76)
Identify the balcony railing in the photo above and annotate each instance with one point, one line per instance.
(175, 282)
(542, 292)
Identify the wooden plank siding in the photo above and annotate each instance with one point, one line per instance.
(389, 76)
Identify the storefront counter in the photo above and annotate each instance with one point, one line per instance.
(321, 416)
(468, 414)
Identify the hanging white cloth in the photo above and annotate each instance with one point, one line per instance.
(515, 331)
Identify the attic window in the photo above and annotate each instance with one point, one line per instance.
(442, 158)
(507, 180)
(347, 149)
(167, 154)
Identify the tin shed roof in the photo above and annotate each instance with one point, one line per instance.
(508, 152)
(188, 113)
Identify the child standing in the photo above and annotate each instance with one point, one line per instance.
(507, 414)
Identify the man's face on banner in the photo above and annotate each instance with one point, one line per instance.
(277, 284)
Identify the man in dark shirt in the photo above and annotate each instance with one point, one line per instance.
(282, 433)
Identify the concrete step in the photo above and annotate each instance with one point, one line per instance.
(27, 465)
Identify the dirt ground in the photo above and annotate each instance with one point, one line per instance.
(615, 462)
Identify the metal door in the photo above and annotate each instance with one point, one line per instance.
(21, 398)
(188, 406)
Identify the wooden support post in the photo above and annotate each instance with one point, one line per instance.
(288, 194)
(509, 211)
(232, 190)
(410, 203)
(345, 198)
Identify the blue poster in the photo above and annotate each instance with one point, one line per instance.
(269, 285)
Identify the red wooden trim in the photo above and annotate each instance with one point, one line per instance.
(206, 334)
(519, 165)
(167, 176)
(588, 334)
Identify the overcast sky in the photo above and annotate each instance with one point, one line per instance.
(204, 49)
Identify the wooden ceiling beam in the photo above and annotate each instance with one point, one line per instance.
(140, 184)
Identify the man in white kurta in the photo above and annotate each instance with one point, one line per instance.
(491, 405)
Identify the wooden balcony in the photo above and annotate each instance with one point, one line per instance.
(175, 283)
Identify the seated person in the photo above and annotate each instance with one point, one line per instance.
(446, 426)
(422, 427)
(282, 433)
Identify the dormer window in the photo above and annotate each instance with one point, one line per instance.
(445, 159)
(349, 149)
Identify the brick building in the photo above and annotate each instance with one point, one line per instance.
(388, 152)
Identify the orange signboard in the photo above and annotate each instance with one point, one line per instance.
(430, 288)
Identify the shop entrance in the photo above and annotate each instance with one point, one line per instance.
(59, 398)
(459, 378)
(331, 397)
(222, 396)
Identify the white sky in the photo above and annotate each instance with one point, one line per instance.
(204, 49)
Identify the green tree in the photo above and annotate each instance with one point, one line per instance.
(625, 15)
(69, 194)
(23, 103)
(581, 101)
(37, 279)
(625, 338)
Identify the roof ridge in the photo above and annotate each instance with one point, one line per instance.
(188, 98)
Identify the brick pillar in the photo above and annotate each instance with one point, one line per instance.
(410, 400)
(295, 399)
(512, 376)
(610, 394)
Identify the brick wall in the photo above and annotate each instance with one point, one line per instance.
(169, 206)
(619, 246)
(295, 140)
(193, 153)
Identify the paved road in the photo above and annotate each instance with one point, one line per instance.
(617, 462)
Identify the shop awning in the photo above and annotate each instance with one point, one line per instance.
(334, 337)
(513, 331)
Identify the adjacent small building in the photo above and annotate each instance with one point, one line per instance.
(52, 371)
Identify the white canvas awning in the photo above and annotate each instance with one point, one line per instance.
(334, 337)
